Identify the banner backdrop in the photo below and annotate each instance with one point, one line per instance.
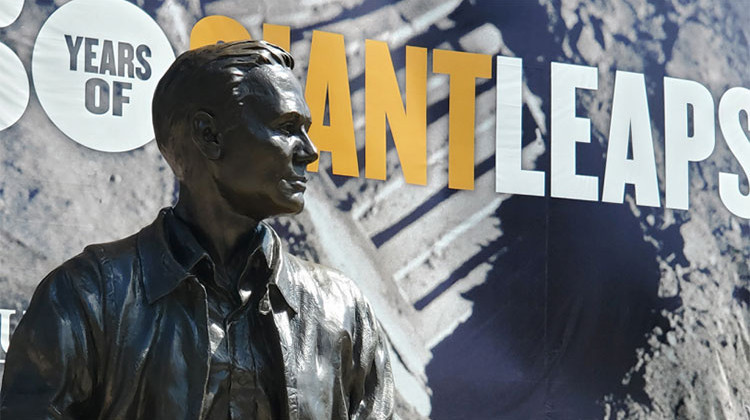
(545, 201)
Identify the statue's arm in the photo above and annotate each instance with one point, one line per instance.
(50, 368)
(377, 399)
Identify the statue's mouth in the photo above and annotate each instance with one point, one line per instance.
(297, 183)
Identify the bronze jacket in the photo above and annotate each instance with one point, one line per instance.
(120, 332)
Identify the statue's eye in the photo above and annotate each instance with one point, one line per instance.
(288, 128)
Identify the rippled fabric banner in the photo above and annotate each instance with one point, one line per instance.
(545, 201)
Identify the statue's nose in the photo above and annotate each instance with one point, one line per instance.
(306, 152)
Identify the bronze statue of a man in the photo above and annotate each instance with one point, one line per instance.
(202, 315)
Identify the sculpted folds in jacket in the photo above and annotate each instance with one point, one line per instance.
(202, 314)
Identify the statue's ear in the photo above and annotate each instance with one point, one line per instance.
(205, 135)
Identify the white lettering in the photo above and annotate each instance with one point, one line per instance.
(734, 102)
(681, 146)
(5, 328)
(509, 176)
(567, 130)
(630, 118)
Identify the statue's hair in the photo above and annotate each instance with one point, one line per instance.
(205, 78)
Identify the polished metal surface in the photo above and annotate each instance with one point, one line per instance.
(123, 330)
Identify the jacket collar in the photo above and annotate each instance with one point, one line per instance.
(162, 273)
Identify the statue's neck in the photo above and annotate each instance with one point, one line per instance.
(223, 233)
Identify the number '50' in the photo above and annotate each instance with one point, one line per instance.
(14, 81)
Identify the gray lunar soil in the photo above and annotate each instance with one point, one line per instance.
(697, 369)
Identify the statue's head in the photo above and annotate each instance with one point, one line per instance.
(231, 120)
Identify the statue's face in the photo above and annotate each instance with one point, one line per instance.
(265, 150)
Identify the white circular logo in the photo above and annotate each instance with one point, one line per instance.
(14, 87)
(95, 67)
(14, 84)
(9, 11)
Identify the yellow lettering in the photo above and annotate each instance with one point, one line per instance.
(277, 34)
(463, 69)
(383, 100)
(327, 73)
(216, 28)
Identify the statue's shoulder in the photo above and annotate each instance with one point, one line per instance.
(125, 250)
(99, 266)
(327, 282)
(89, 272)
(323, 275)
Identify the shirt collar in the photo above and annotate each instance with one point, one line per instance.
(165, 262)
